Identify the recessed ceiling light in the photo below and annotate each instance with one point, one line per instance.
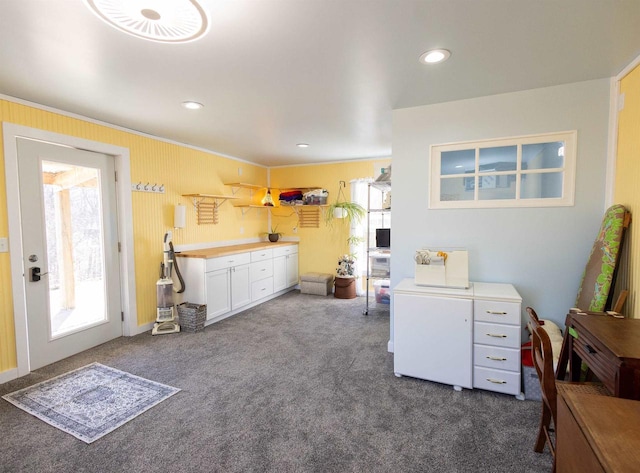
(165, 21)
(435, 56)
(302, 145)
(192, 105)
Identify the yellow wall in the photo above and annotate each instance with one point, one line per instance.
(181, 169)
(627, 191)
(321, 247)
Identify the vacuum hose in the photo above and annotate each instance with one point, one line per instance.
(175, 264)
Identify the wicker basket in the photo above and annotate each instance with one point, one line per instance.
(192, 316)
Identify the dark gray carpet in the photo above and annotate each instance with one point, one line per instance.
(299, 384)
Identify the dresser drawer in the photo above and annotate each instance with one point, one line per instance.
(223, 262)
(285, 250)
(507, 336)
(261, 270)
(497, 357)
(262, 288)
(507, 382)
(497, 312)
(261, 255)
(599, 360)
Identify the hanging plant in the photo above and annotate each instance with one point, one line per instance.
(343, 209)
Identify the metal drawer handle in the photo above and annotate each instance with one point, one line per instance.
(495, 312)
(590, 349)
(496, 335)
(496, 358)
(496, 381)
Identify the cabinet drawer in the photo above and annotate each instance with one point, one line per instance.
(262, 288)
(285, 250)
(496, 335)
(599, 360)
(496, 357)
(261, 255)
(507, 382)
(227, 261)
(497, 312)
(261, 270)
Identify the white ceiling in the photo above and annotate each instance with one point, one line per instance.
(273, 73)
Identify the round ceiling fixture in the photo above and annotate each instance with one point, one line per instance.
(165, 21)
(302, 145)
(192, 105)
(435, 56)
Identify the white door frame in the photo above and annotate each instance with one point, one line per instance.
(125, 229)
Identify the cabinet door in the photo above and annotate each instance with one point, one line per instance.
(218, 292)
(292, 269)
(433, 338)
(279, 273)
(240, 286)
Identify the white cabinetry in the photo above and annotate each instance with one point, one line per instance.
(285, 267)
(496, 338)
(463, 337)
(261, 274)
(232, 283)
(433, 334)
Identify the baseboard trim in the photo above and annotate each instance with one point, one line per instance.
(8, 375)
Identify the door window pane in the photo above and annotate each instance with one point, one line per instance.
(75, 252)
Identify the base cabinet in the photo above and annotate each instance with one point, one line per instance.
(469, 338)
(285, 267)
(230, 284)
(432, 338)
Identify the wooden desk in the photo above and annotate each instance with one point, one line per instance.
(597, 434)
(611, 349)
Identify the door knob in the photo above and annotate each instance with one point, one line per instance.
(35, 274)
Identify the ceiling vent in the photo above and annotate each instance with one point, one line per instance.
(165, 21)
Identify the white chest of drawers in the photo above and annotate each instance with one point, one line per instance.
(463, 337)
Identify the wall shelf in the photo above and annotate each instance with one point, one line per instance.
(207, 206)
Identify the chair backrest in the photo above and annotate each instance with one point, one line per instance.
(542, 355)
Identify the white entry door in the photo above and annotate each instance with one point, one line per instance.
(70, 243)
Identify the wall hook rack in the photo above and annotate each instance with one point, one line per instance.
(154, 188)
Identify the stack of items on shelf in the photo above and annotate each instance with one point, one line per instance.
(316, 197)
(291, 197)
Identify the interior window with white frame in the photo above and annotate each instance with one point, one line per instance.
(523, 171)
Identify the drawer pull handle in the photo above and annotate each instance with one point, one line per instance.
(591, 350)
(496, 358)
(496, 335)
(496, 312)
(496, 381)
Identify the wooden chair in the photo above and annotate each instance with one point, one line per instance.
(542, 355)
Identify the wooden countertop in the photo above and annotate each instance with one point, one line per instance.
(233, 249)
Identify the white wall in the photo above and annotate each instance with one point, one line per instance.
(542, 251)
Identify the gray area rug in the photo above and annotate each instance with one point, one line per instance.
(301, 383)
(91, 401)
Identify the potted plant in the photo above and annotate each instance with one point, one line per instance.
(273, 234)
(345, 282)
(343, 209)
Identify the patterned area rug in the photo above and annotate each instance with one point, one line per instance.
(91, 401)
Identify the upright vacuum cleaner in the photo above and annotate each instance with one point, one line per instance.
(166, 316)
